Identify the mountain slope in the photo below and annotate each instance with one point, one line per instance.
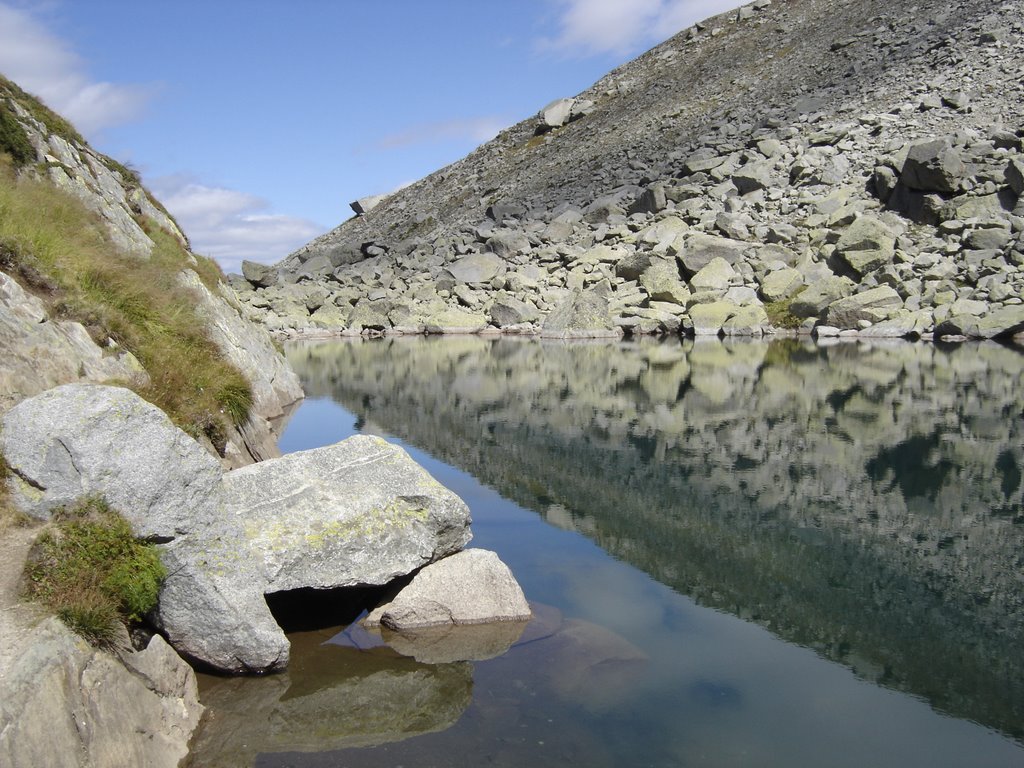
(775, 138)
(97, 283)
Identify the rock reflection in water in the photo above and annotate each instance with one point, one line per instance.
(556, 665)
(330, 698)
(863, 500)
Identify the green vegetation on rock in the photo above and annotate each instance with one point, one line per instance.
(60, 250)
(13, 139)
(92, 571)
(54, 123)
(780, 315)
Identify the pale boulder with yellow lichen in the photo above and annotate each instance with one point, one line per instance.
(357, 512)
(354, 513)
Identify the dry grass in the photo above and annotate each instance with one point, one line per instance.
(61, 250)
(10, 517)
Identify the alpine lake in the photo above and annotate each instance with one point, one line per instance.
(747, 553)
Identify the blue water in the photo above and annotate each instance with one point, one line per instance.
(654, 666)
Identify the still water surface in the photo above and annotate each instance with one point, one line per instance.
(741, 554)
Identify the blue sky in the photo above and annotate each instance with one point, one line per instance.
(257, 121)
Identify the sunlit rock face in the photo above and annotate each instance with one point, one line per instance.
(360, 512)
(863, 499)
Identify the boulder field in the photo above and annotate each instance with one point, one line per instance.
(357, 513)
(840, 168)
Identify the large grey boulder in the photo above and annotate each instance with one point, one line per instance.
(753, 176)
(747, 320)
(66, 703)
(708, 319)
(508, 310)
(781, 284)
(820, 294)
(366, 204)
(716, 275)
(632, 265)
(438, 317)
(259, 275)
(359, 512)
(506, 242)
(1002, 321)
(933, 166)
(872, 305)
(471, 587)
(556, 114)
(87, 438)
(476, 268)
(583, 314)
(662, 283)
(866, 244)
(700, 249)
(355, 513)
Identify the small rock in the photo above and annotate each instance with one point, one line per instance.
(470, 587)
(556, 114)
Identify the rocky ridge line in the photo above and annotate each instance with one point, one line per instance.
(849, 168)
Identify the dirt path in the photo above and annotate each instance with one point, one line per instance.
(17, 617)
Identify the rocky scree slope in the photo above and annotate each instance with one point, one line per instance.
(850, 167)
(43, 349)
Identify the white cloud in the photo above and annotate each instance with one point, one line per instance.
(230, 226)
(590, 27)
(477, 129)
(46, 66)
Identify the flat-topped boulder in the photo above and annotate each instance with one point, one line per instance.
(355, 513)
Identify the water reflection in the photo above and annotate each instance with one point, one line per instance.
(862, 500)
(332, 697)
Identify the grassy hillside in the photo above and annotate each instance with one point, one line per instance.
(62, 252)
(59, 250)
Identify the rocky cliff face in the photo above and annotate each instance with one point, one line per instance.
(854, 167)
(63, 702)
(43, 351)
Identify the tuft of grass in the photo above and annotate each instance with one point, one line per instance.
(141, 305)
(129, 175)
(779, 313)
(13, 139)
(92, 571)
(54, 123)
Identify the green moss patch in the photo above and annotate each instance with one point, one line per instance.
(92, 571)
